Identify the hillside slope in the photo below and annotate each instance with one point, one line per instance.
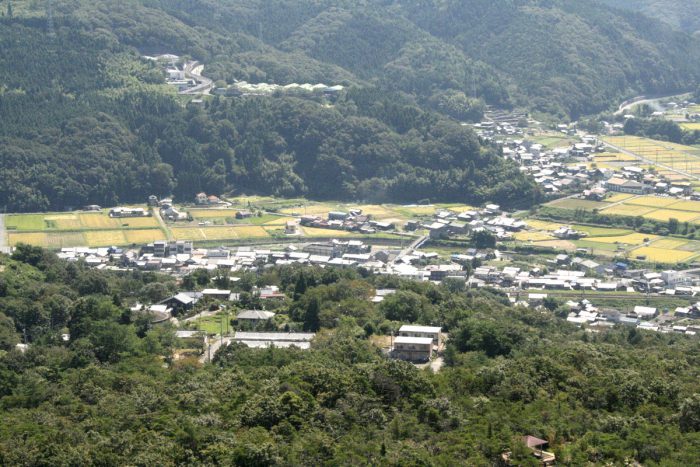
(83, 108)
(683, 15)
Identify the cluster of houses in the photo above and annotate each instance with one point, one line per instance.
(638, 181)
(553, 169)
(352, 221)
(448, 224)
(585, 274)
(202, 199)
(642, 317)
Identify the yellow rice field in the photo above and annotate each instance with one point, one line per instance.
(630, 239)
(32, 238)
(652, 201)
(527, 236)
(663, 255)
(664, 215)
(617, 197)
(280, 221)
(627, 210)
(219, 233)
(310, 209)
(64, 239)
(558, 244)
(669, 243)
(98, 220)
(692, 206)
(314, 232)
(144, 236)
(137, 222)
(64, 221)
(105, 238)
(212, 213)
(542, 225)
(691, 126)
(188, 233)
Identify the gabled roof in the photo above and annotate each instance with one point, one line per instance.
(533, 442)
(255, 314)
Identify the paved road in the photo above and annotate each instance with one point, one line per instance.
(211, 346)
(412, 247)
(163, 226)
(650, 100)
(651, 161)
(4, 247)
(203, 314)
(193, 70)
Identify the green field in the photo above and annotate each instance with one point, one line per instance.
(212, 324)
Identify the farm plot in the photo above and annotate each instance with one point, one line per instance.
(105, 238)
(144, 235)
(542, 225)
(600, 231)
(63, 222)
(557, 244)
(629, 239)
(677, 156)
(30, 238)
(98, 221)
(327, 233)
(25, 222)
(691, 126)
(652, 201)
(212, 213)
(575, 203)
(627, 210)
(614, 157)
(188, 233)
(137, 222)
(618, 197)
(664, 215)
(663, 255)
(692, 206)
(669, 243)
(526, 236)
(219, 233)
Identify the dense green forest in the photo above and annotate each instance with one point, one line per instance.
(112, 395)
(85, 120)
(684, 15)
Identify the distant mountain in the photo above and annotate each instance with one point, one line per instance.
(85, 119)
(681, 14)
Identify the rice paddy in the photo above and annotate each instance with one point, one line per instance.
(627, 210)
(652, 201)
(664, 215)
(105, 238)
(576, 203)
(532, 236)
(629, 239)
(675, 156)
(663, 255)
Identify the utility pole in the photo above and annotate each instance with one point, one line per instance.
(49, 18)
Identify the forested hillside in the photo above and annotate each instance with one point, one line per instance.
(112, 395)
(684, 15)
(84, 109)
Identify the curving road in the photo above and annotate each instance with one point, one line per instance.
(193, 70)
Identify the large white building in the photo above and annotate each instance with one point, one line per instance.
(412, 348)
(433, 332)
